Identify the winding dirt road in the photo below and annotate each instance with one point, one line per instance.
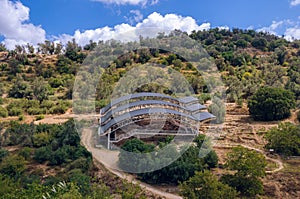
(278, 162)
(87, 141)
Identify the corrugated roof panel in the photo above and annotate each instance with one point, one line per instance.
(204, 116)
(189, 99)
(196, 107)
(134, 96)
(143, 112)
(138, 103)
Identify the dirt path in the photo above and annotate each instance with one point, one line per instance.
(86, 140)
(278, 162)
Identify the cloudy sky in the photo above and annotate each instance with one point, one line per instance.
(28, 21)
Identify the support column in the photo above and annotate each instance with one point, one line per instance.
(108, 139)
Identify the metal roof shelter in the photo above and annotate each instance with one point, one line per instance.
(138, 107)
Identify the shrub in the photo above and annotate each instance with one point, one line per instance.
(42, 154)
(39, 117)
(3, 154)
(3, 112)
(269, 104)
(205, 185)
(218, 109)
(47, 104)
(36, 111)
(56, 82)
(249, 167)
(21, 118)
(15, 111)
(58, 109)
(204, 97)
(284, 139)
(41, 139)
(25, 153)
(31, 104)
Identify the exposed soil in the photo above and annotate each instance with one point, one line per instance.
(282, 180)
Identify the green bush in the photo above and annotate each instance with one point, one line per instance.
(21, 118)
(47, 104)
(204, 97)
(42, 154)
(3, 154)
(269, 104)
(56, 82)
(25, 153)
(15, 111)
(218, 109)
(39, 117)
(41, 139)
(248, 166)
(30, 104)
(3, 112)
(205, 185)
(284, 139)
(36, 111)
(178, 171)
(58, 109)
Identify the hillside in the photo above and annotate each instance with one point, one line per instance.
(40, 147)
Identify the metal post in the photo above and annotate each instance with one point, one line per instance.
(108, 139)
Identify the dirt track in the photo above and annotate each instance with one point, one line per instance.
(86, 139)
(237, 133)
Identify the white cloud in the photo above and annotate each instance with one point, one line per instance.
(272, 28)
(170, 22)
(290, 29)
(292, 33)
(13, 25)
(137, 16)
(223, 27)
(295, 2)
(131, 2)
(150, 26)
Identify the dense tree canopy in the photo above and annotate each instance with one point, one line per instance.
(204, 185)
(178, 171)
(284, 139)
(269, 104)
(249, 167)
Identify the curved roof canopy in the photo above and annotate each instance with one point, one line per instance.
(199, 117)
(187, 107)
(134, 96)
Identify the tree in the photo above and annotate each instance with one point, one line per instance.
(269, 104)
(47, 48)
(73, 52)
(13, 166)
(3, 112)
(204, 185)
(40, 89)
(30, 48)
(260, 43)
(177, 171)
(58, 49)
(3, 154)
(21, 89)
(218, 109)
(249, 167)
(91, 46)
(2, 47)
(284, 139)
(41, 139)
(14, 66)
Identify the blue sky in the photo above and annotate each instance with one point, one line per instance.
(28, 21)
